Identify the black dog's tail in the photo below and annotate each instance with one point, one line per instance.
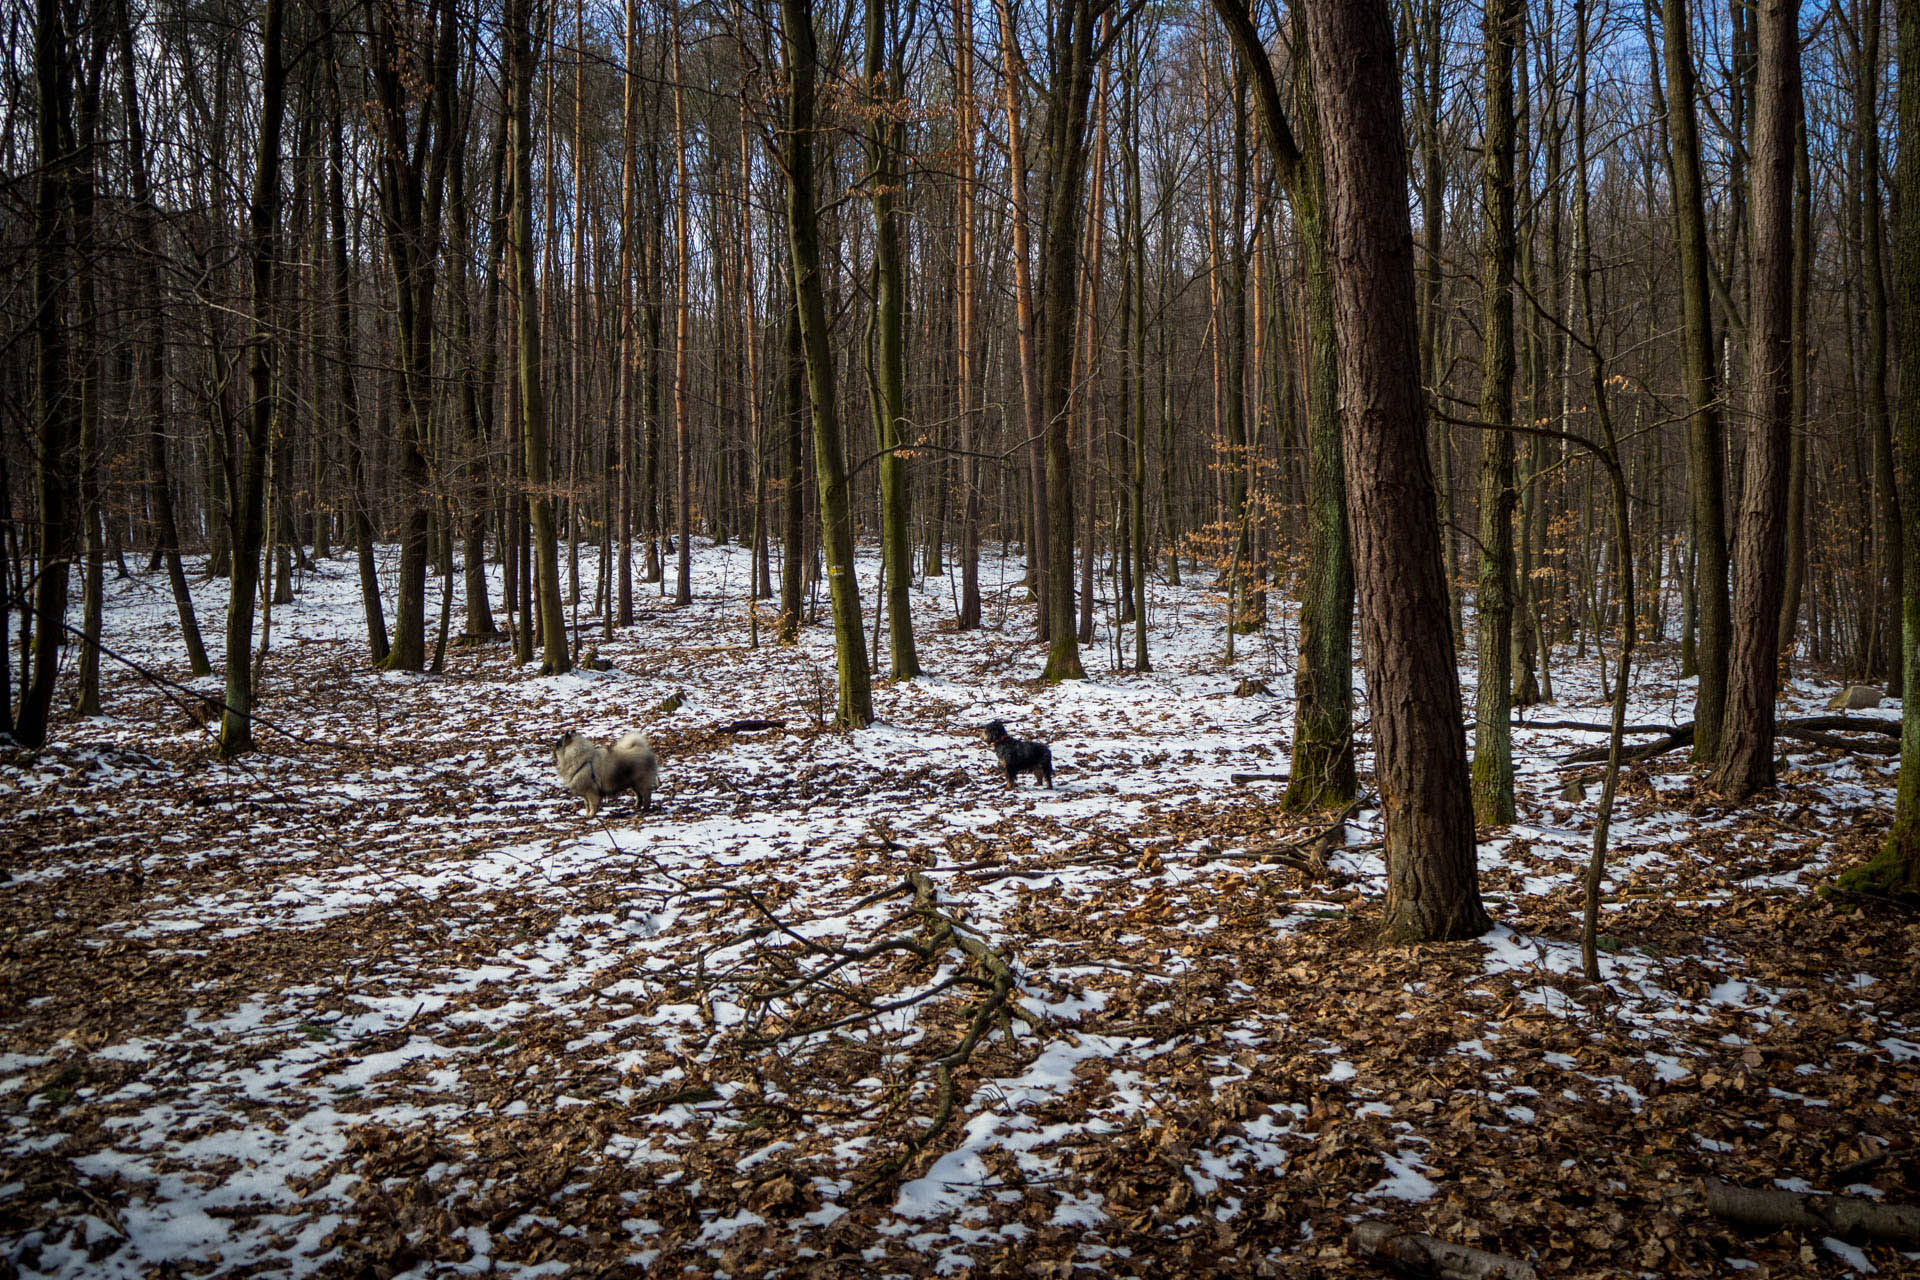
(1046, 765)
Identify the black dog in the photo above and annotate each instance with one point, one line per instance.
(1018, 757)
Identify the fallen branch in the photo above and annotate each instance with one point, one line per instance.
(1833, 1215)
(1682, 736)
(1242, 779)
(1798, 728)
(1418, 1255)
(1866, 746)
(998, 1004)
(1591, 727)
(749, 726)
(1307, 854)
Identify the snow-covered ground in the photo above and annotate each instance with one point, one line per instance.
(380, 1000)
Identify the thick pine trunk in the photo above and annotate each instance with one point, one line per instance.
(1406, 636)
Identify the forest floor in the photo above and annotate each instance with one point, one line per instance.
(379, 1000)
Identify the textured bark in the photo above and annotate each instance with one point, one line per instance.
(86, 698)
(1796, 551)
(794, 509)
(1406, 637)
(1323, 769)
(1770, 1209)
(1493, 698)
(1746, 746)
(682, 331)
(1706, 436)
(412, 70)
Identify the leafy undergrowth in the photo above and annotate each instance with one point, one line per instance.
(379, 1000)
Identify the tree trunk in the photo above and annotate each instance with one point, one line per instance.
(249, 516)
(1406, 635)
(348, 393)
(886, 343)
(1896, 868)
(683, 267)
(1034, 417)
(1706, 437)
(1323, 769)
(966, 292)
(1746, 747)
(1493, 700)
(1071, 59)
(855, 709)
(518, 35)
(1886, 499)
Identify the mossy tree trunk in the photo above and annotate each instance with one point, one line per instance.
(855, 708)
(1896, 869)
(886, 345)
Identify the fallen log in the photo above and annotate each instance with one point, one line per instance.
(1866, 746)
(1856, 724)
(1798, 728)
(749, 726)
(1843, 1216)
(1417, 1255)
(1242, 779)
(1682, 736)
(1591, 727)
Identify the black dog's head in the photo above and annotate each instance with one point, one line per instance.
(996, 733)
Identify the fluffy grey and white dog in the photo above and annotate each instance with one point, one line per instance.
(592, 771)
